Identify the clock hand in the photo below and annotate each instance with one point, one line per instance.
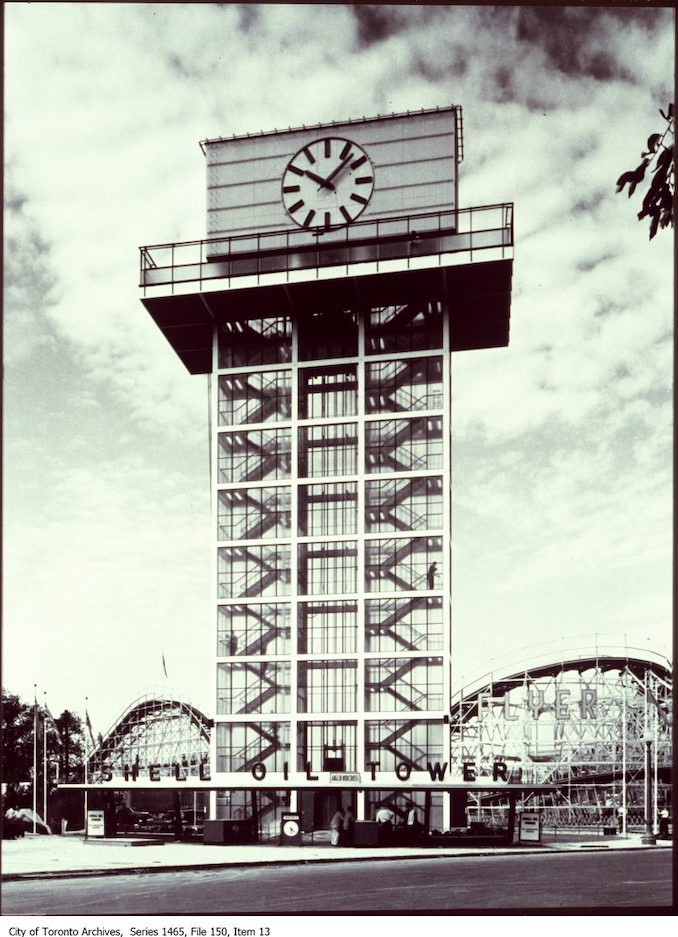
(325, 183)
(337, 169)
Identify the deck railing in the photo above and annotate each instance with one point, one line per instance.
(184, 265)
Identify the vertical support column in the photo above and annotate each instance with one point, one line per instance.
(447, 546)
(294, 549)
(427, 812)
(213, 433)
(360, 806)
(511, 817)
(361, 596)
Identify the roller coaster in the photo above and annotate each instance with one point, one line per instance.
(154, 730)
(588, 722)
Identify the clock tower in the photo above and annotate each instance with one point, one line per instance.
(338, 277)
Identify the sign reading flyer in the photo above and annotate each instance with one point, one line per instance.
(530, 827)
(95, 823)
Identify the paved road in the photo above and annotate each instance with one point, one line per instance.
(575, 880)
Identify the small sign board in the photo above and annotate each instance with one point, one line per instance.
(344, 777)
(530, 827)
(95, 823)
(290, 830)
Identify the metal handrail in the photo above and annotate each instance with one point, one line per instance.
(291, 250)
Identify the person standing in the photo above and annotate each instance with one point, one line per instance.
(664, 824)
(431, 575)
(385, 818)
(336, 826)
(347, 831)
(412, 824)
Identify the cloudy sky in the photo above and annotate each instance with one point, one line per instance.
(562, 442)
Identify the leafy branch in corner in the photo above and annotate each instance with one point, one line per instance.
(658, 200)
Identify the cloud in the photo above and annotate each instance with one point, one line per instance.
(561, 442)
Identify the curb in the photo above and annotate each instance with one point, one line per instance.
(259, 863)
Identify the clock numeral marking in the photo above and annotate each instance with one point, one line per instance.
(328, 148)
(297, 172)
(327, 219)
(359, 198)
(291, 188)
(361, 180)
(358, 162)
(346, 215)
(309, 156)
(296, 205)
(345, 151)
(309, 218)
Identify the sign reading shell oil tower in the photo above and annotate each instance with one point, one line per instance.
(338, 276)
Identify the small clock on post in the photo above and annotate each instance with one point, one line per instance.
(329, 182)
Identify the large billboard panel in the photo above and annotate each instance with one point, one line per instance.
(329, 176)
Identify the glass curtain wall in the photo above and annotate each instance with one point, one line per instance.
(332, 476)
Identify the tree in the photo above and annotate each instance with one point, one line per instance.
(64, 749)
(658, 200)
(17, 742)
(72, 749)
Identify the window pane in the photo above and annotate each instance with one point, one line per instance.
(330, 334)
(410, 327)
(266, 340)
(253, 513)
(328, 746)
(249, 630)
(404, 504)
(396, 684)
(327, 392)
(412, 743)
(253, 688)
(328, 569)
(328, 450)
(328, 509)
(403, 565)
(250, 571)
(327, 686)
(404, 445)
(404, 385)
(241, 745)
(255, 455)
(414, 624)
(254, 397)
(327, 627)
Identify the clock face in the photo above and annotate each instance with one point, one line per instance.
(291, 827)
(327, 183)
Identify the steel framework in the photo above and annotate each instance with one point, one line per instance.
(583, 722)
(154, 730)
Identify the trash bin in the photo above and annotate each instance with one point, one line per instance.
(230, 832)
(365, 833)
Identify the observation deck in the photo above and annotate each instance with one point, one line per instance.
(464, 257)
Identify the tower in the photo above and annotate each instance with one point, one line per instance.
(338, 276)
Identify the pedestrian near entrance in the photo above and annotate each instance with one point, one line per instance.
(385, 815)
(336, 826)
(412, 824)
(347, 831)
(664, 824)
(385, 818)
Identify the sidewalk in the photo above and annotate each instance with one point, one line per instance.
(66, 856)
